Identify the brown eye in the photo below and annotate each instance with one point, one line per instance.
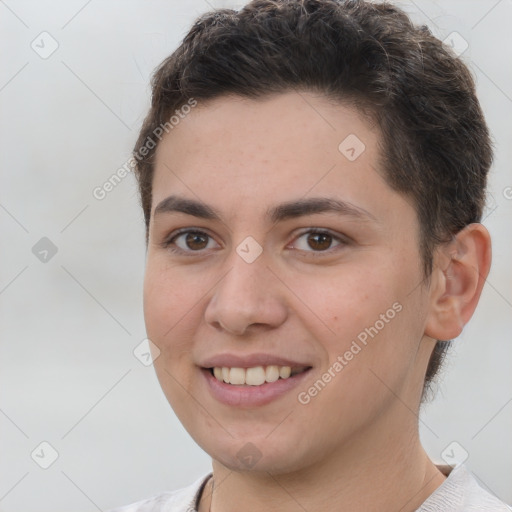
(196, 241)
(189, 241)
(315, 242)
(320, 241)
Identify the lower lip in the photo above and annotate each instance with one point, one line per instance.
(251, 396)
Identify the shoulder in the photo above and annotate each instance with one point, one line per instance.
(181, 500)
(460, 492)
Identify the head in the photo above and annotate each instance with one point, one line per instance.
(289, 100)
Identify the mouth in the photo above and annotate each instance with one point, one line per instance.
(252, 380)
(255, 376)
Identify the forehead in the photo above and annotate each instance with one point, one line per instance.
(287, 124)
(240, 154)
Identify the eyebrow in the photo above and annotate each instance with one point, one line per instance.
(283, 211)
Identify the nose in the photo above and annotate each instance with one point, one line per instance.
(248, 297)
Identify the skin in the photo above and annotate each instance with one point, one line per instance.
(355, 445)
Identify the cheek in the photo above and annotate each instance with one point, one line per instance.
(170, 303)
(346, 301)
(365, 318)
(378, 333)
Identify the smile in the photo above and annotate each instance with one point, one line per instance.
(255, 376)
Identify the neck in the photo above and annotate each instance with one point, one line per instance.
(398, 475)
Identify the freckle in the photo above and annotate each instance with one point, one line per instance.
(335, 318)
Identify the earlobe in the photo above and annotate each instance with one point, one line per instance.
(460, 270)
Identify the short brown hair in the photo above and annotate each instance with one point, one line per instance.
(436, 147)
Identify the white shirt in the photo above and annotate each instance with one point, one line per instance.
(460, 492)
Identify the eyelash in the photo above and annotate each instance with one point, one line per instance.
(170, 245)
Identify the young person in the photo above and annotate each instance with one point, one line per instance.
(312, 175)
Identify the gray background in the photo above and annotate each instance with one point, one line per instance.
(68, 375)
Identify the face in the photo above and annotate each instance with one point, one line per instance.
(276, 248)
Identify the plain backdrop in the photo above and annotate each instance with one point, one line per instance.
(71, 266)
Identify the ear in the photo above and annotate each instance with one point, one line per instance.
(459, 273)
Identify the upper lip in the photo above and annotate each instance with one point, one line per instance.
(249, 361)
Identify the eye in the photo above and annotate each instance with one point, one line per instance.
(189, 241)
(318, 240)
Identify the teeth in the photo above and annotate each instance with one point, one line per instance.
(237, 376)
(255, 376)
(272, 373)
(284, 372)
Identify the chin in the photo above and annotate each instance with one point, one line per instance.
(254, 456)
